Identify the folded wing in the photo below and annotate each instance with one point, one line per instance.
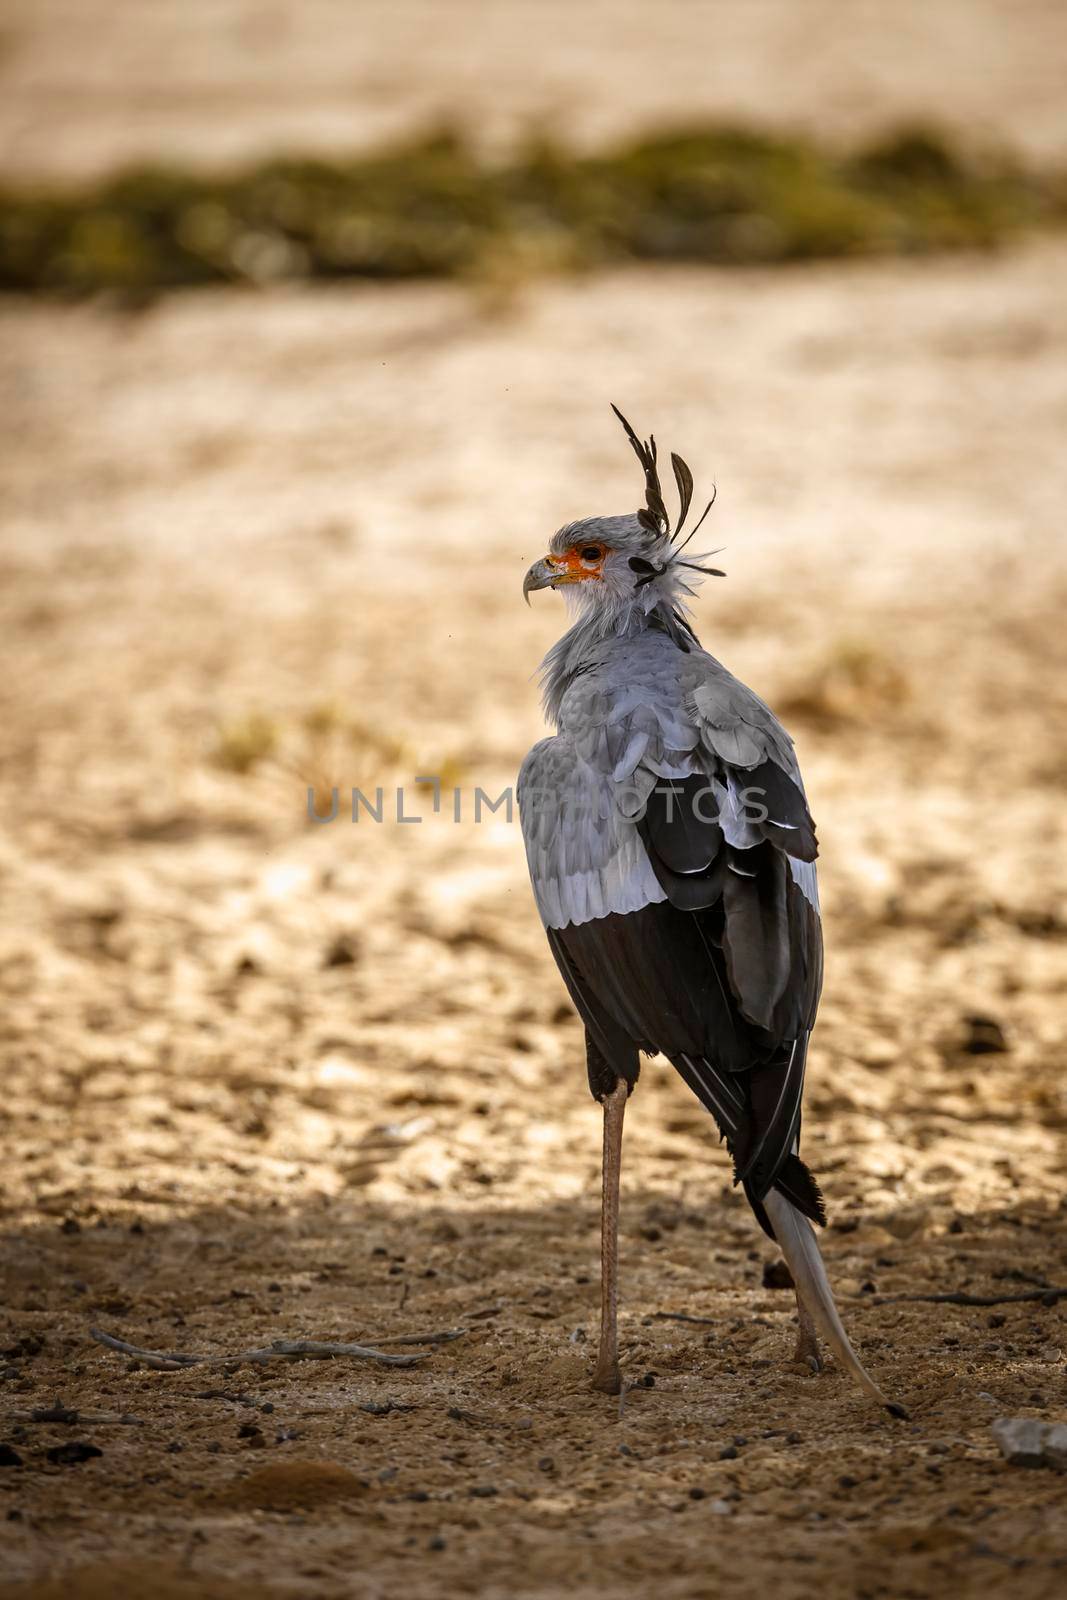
(705, 941)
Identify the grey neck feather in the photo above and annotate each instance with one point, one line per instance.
(578, 650)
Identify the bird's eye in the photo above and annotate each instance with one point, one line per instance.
(590, 553)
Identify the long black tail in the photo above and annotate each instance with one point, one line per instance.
(758, 1114)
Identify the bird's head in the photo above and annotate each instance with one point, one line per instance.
(616, 564)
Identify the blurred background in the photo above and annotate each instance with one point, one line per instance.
(310, 322)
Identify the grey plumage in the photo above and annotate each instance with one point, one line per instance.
(632, 708)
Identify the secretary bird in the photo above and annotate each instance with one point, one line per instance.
(672, 856)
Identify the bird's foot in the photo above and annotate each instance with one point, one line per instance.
(607, 1378)
(811, 1367)
(806, 1355)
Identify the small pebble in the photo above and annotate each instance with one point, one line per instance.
(983, 1036)
(1026, 1442)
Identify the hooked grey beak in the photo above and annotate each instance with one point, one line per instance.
(542, 575)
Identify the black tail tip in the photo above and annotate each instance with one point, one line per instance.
(900, 1412)
(797, 1182)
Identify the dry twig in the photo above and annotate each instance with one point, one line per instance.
(278, 1350)
(1047, 1296)
(66, 1414)
(444, 1336)
(681, 1316)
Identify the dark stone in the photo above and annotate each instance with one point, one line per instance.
(776, 1275)
(343, 952)
(983, 1036)
(72, 1454)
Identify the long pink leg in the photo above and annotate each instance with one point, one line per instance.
(607, 1378)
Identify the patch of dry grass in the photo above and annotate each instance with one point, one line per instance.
(436, 208)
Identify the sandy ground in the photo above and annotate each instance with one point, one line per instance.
(85, 84)
(270, 1079)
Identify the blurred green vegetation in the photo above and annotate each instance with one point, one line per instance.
(434, 208)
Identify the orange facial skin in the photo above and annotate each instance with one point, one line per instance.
(573, 565)
(577, 564)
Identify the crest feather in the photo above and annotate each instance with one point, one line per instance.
(653, 514)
